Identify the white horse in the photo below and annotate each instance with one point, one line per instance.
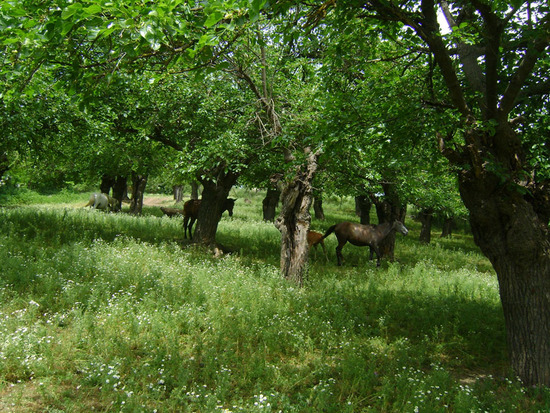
(101, 201)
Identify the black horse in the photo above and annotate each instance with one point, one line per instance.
(191, 213)
(362, 235)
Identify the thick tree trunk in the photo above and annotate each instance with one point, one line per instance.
(363, 205)
(425, 217)
(194, 190)
(516, 242)
(510, 234)
(106, 184)
(389, 209)
(213, 197)
(120, 190)
(178, 193)
(318, 208)
(139, 182)
(269, 204)
(516, 239)
(294, 220)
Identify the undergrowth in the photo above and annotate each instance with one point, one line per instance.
(110, 312)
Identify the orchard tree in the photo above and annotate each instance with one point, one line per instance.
(376, 131)
(87, 44)
(41, 133)
(492, 63)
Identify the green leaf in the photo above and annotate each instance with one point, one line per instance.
(213, 19)
(71, 10)
(93, 9)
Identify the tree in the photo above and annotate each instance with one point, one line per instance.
(376, 130)
(88, 44)
(493, 61)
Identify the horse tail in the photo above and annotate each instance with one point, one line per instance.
(329, 231)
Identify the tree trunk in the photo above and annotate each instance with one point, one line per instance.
(318, 208)
(425, 217)
(178, 193)
(213, 197)
(269, 204)
(194, 190)
(294, 220)
(516, 239)
(510, 234)
(363, 205)
(139, 182)
(120, 190)
(106, 184)
(389, 209)
(447, 229)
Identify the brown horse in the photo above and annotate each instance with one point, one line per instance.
(191, 213)
(315, 238)
(171, 212)
(362, 235)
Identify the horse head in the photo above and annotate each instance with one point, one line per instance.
(399, 227)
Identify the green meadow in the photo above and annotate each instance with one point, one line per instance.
(116, 313)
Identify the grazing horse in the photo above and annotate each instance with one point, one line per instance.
(361, 235)
(171, 212)
(101, 201)
(191, 213)
(315, 238)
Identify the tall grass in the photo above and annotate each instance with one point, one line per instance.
(108, 312)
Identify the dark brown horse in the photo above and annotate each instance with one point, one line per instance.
(362, 235)
(191, 213)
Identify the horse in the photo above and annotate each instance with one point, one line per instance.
(315, 238)
(362, 235)
(171, 212)
(191, 213)
(101, 201)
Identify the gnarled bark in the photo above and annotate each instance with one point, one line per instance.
(294, 220)
(213, 197)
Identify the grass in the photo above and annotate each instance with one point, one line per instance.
(107, 312)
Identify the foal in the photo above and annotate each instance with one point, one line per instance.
(315, 238)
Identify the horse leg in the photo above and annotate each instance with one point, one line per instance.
(377, 255)
(193, 219)
(371, 252)
(314, 250)
(339, 255)
(185, 221)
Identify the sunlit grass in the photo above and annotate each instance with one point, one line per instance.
(108, 312)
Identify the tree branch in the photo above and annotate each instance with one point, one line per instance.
(526, 66)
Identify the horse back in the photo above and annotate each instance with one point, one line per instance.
(356, 234)
(314, 238)
(191, 208)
